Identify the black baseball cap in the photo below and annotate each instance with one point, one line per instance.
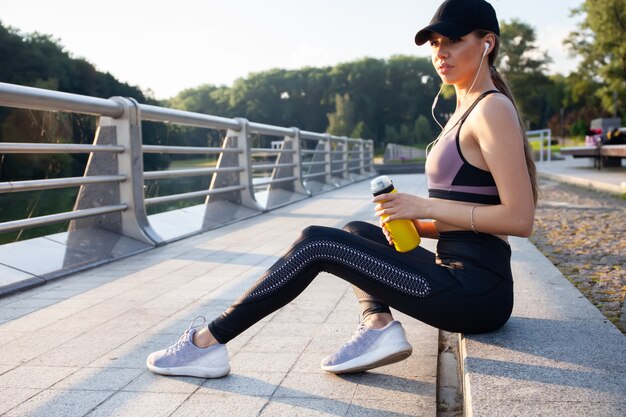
(457, 18)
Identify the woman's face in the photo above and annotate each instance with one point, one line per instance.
(456, 60)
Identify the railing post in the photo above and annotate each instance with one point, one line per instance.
(288, 191)
(133, 222)
(226, 207)
(328, 159)
(338, 162)
(99, 195)
(362, 157)
(371, 157)
(297, 159)
(549, 133)
(346, 158)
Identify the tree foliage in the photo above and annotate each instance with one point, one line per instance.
(524, 65)
(40, 61)
(382, 99)
(341, 122)
(366, 98)
(601, 43)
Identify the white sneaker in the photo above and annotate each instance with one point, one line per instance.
(186, 359)
(370, 348)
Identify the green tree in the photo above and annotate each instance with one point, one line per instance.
(518, 50)
(423, 131)
(342, 121)
(407, 135)
(206, 99)
(412, 84)
(365, 81)
(601, 42)
(39, 60)
(575, 104)
(524, 65)
(358, 99)
(391, 135)
(361, 131)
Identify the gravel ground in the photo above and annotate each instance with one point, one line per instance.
(583, 233)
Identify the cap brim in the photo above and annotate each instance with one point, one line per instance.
(447, 29)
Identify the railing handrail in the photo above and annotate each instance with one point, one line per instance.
(186, 118)
(185, 150)
(52, 183)
(19, 96)
(16, 147)
(59, 217)
(23, 97)
(537, 132)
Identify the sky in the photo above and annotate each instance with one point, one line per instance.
(166, 46)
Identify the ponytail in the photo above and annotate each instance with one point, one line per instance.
(503, 87)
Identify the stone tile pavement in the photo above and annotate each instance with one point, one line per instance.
(77, 346)
(581, 172)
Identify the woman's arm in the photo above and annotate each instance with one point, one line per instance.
(426, 229)
(496, 130)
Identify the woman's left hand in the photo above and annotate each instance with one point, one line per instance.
(401, 206)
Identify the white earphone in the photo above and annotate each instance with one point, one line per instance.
(487, 46)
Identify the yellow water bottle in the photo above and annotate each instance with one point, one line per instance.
(403, 232)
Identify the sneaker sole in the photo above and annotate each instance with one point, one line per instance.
(191, 371)
(375, 359)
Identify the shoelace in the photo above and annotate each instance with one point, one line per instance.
(357, 333)
(185, 336)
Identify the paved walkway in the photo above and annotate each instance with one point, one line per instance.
(580, 171)
(77, 346)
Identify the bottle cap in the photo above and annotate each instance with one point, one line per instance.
(381, 183)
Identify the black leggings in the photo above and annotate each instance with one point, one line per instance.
(467, 287)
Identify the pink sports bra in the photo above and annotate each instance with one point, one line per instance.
(451, 177)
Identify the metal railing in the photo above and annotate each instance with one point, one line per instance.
(297, 171)
(394, 152)
(542, 136)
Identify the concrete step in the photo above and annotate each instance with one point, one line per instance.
(557, 355)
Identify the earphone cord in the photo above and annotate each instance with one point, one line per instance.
(475, 77)
(432, 109)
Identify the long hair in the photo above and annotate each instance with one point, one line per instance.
(503, 87)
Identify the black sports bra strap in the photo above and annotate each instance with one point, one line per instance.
(468, 111)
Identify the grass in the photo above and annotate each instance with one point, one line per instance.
(556, 147)
(536, 146)
(23, 205)
(193, 163)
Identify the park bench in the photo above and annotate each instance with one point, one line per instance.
(603, 155)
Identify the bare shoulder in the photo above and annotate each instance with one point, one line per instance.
(496, 117)
(496, 106)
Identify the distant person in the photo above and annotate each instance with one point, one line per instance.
(615, 137)
(482, 188)
(609, 135)
(593, 137)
